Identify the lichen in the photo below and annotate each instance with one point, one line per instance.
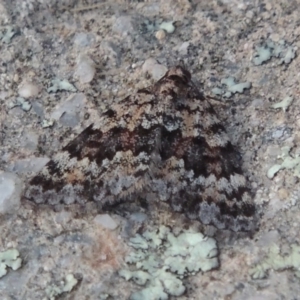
(9, 259)
(161, 259)
(150, 26)
(66, 286)
(21, 102)
(288, 162)
(61, 85)
(284, 104)
(274, 260)
(230, 87)
(167, 26)
(263, 53)
(268, 49)
(7, 33)
(47, 123)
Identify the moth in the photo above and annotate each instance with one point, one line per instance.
(163, 143)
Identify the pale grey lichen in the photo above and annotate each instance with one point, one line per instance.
(161, 259)
(61, 85)
(230, 87)
(150, 26)
(263, 53)
(21, 102)
(269, 49)
(7, 33)
(53, 291)
(47, 123)
(284, 104)
(288, 162)
(9, 259)
(278, 262)
(167, 26)
(288, 56)
(217, 91)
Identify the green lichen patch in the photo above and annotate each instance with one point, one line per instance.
(21, 102)
(284, 104)
(160, 259)
(230, 87)
(268, 49)
(9, 259)
(66, 286)
(287, 162)
(61, 85)
(7, 33)
(274, 260)
(150, 26)
(167, 26)
(47, 123)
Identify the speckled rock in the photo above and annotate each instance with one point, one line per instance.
(10, 192)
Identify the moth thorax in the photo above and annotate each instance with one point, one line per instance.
(179, 72)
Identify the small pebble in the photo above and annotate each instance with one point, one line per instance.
(16, 78)
(68, 112)
(10, 192)
(156, 70)
(85, 69)
(123, 25)
(148, 65)
(82, 39)
(160, 34)
(106, 221)
(28, 90)
(283, 194)
(183, 49)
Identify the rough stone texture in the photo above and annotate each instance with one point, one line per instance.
(41, 41)
(10, 192)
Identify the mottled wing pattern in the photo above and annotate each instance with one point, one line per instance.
(201, 170)
(106, 163)
(165, 140)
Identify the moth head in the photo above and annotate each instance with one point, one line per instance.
(179, 73)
